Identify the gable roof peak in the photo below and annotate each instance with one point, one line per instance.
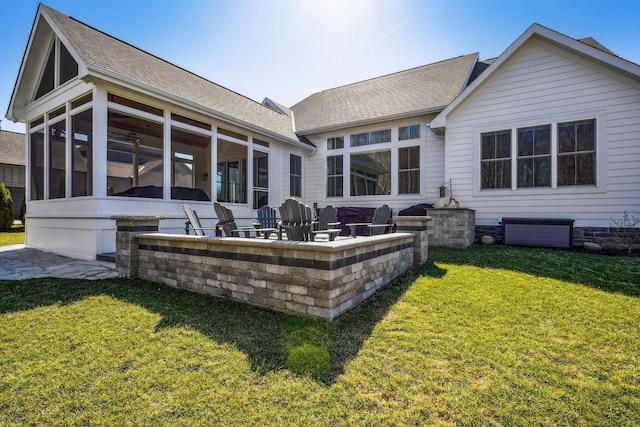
(536, 30)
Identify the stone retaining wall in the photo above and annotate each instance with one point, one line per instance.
(319, 279)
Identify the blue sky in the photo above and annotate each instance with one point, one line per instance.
(289, 49)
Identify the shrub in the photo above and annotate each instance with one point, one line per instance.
(6, 208)
(627, 229)
(309, 360)
(23, 208)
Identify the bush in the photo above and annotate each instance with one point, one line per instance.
(309, 360)
(23, 209)
(627, 229)
(6, 208)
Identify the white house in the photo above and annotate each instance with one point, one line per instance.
(548, 129)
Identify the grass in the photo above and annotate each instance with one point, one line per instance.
(484, 336)
(12, 238)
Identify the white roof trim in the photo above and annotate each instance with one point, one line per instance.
(613, 61)
(100, 73)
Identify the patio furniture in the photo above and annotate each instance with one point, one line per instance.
(227, 224)
(297, 220)
(193, 222)
(327, 223)
(267, 220)
(380, 222)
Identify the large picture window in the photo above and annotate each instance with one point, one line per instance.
(371, 173)
(295, 175)
(495, 166)
(409, 170)
(335, 176)
(577, 153)
(534, 156)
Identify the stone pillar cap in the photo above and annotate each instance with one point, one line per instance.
(136, 218)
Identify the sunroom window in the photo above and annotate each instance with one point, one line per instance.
(134, 156)
(58, 59)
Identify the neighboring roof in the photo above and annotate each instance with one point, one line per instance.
(110, 58)
(479, 68)
(585, 47)
(12, 148)
(419, 90)
(275, 106)
(594, 43)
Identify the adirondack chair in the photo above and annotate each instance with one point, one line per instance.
(380, 222)
(227, 224)
(296, 221)
(267, 221)
(193, 222)
(327, 223)
(267, 217)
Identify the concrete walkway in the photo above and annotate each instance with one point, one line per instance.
(18, 262)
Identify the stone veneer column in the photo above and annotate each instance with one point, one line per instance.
(127, 227)
(418, 225)
(452, 227)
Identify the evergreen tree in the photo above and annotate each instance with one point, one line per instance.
(6, 208)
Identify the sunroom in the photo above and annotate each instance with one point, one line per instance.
(101, 144)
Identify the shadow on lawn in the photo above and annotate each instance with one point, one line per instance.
(607, 273)
(264, 336)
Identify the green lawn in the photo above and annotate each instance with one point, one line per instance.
(13, 238)
(484, 336)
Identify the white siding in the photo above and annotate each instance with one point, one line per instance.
(541, 84)
(431, 166)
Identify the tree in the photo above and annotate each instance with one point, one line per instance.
(6, 208)
(23, 208)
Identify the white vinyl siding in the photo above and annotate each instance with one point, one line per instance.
(545, 84)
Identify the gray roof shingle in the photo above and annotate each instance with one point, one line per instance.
(12, 148)
(97, 49)
(422, 89)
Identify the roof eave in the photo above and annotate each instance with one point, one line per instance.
(100, 73)
(613, 61)
(432, 110)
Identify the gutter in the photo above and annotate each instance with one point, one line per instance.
(111, 77)
(433, 110)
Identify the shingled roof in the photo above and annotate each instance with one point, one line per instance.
(419, 90)
(105, 54)
(12, 148)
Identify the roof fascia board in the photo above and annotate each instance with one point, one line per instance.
(553, 36)
(11, 109)
(82, 68)
(94, 72)
(372, 121)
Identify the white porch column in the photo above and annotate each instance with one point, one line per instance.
(99, 143)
